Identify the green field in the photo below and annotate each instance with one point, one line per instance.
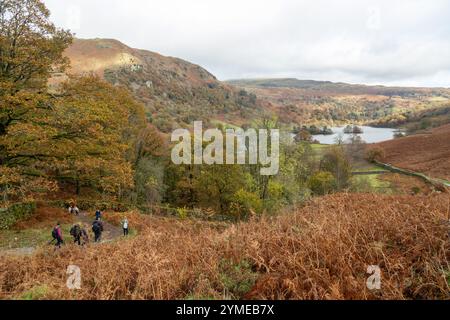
(371, 183)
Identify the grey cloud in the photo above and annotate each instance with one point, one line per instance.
(402, 42)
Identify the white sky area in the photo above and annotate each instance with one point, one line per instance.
(389, 42)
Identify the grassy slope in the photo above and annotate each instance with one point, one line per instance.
(387, 183)
(428, 153)
(320, 251)
(36, 230)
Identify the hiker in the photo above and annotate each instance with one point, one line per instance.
(84, 235)
(98, 215)
(75, 232)
(74, 209)
(125, 226)
(57, 235)
(97, 228)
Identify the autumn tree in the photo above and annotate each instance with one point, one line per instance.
(150, 165)
(96, 128)
(217, 185)
(87, 137)
(181, 184)
(31, 48)
(337, 163)
(322, 182)
(296, 165)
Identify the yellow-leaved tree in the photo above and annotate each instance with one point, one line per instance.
(86, 133)
(31, 49)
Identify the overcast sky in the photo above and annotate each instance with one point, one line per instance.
(392, 42)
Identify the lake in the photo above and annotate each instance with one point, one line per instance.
(369, 135)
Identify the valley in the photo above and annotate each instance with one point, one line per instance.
(134, 153)
(176, 92)
(307, 102)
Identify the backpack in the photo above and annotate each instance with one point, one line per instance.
(75, 231)
(96, 227)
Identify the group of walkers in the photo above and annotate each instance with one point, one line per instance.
(79, 232)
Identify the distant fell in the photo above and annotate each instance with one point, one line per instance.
(334, 87)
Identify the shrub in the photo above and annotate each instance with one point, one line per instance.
(244, 203)
(337, 162)
(320, 251)
(415, 190)
(182, 213)
(9, 216)
(322, 182)
(35, 293)
(237, 278)
(375, 154)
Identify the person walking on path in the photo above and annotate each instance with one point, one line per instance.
(57, 235)
(84, 235)
(125, 226)
(73, 209)
(97, 228)
(98, 215)
(75, 232)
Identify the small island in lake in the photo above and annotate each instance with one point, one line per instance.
(349, 129)
(312, 129)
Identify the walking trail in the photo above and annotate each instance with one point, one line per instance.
(110, 233)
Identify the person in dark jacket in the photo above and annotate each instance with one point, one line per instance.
(97, 228)
(75, 232)
(98, 215)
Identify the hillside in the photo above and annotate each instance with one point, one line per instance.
(428, 152)
(296, 255)
(174, 92)
(324, 102)
(97, 204)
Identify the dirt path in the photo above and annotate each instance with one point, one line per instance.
(110, 233)
(23, 251)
